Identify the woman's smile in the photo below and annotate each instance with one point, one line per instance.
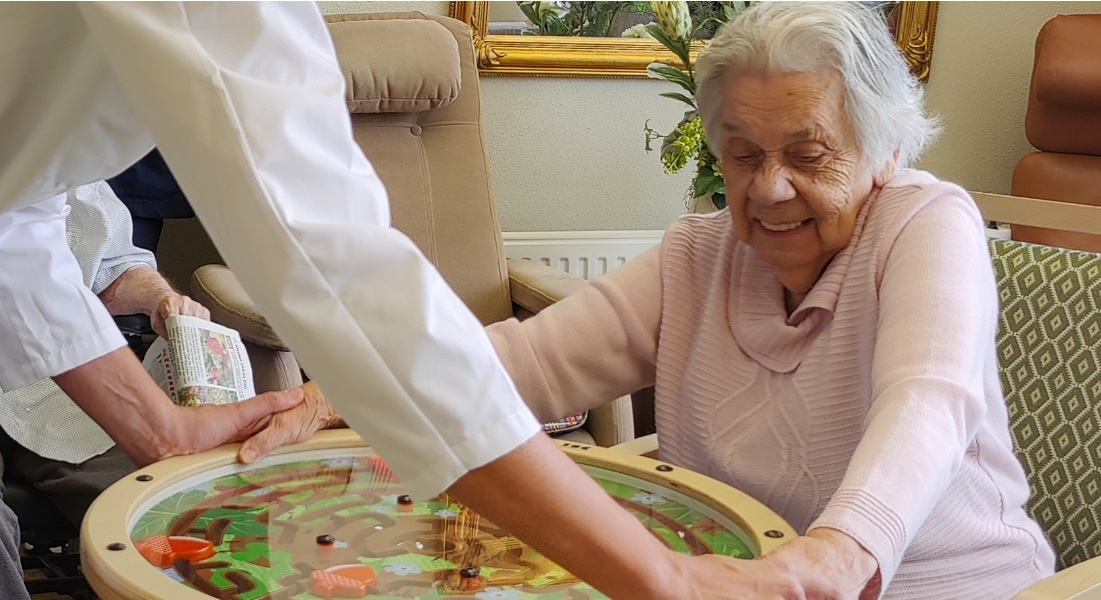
(783, 227)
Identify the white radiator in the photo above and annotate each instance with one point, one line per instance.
(586, 254)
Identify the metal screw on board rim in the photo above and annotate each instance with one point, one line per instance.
(144, 478)
(116, 546)
(664, 468)
(772, 533)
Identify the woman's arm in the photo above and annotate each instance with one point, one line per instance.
(937, 319)
(590, 347)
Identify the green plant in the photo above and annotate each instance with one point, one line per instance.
(589, 19)
(678, 25)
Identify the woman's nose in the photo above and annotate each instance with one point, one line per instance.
(771, 184)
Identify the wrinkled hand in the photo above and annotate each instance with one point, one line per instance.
(292, 426)
(714, 577)
(210, 425)
(848, 571)
(825, 564)
(171, 305)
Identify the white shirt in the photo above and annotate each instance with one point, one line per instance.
(246, 103)
(40, 416)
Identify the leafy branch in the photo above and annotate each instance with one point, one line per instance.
(687, 144)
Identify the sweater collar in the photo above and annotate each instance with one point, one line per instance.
(757, 315)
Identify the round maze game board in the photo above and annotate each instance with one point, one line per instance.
(335, 523)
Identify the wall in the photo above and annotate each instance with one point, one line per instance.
(567, 154)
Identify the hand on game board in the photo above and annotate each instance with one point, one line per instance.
(211, 425)
(851, 570)
(291, 426)
(118, 393)
(823, 565)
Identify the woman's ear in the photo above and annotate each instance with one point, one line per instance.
(888, 171)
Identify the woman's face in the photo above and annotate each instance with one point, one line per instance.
(795, 175)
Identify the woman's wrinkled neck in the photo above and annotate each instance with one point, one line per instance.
(792, 300)
(798, 283)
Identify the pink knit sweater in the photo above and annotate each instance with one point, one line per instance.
(875, 408)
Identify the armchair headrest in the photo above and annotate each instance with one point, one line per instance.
(1067, 72)
(397, 65)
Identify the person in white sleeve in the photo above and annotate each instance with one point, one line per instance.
(246, 103)
(46, 440)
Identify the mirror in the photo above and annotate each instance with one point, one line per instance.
(503, 49)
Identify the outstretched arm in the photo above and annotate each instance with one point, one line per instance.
(144, 290)
(125, 277)
(117, 392)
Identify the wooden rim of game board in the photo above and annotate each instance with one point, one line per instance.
(117, 571)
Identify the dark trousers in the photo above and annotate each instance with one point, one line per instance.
(69, 487)
(11, 569)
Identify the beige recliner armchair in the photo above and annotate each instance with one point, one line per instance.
(415, 106)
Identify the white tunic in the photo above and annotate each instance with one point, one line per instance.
(246, 103)
(40, 416)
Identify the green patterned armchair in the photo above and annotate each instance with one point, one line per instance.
(1049, 348)
(1049, 353)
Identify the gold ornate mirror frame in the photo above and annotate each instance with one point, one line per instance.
(549, 56)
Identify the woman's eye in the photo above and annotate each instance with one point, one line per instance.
(808, 159)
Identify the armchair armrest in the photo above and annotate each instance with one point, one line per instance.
(646, 445)
(217, 288)
(1080, 582)
(535, 286)
(273, 365)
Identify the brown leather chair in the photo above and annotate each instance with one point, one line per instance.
(415, 106)
(1063, 122)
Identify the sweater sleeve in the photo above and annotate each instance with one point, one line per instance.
(590, 347)
(937, 319)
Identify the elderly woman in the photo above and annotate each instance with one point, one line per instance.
(826, 343)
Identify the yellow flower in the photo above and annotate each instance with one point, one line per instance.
(674, 19)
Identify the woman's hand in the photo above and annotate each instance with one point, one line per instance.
(292, 426)
(171, 304)
(714, 577)
(825, 564)
(849, 571)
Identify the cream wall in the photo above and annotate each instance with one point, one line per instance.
(567, 154)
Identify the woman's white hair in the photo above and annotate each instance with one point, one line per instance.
(884, 100)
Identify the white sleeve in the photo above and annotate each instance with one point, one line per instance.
(245, 100)
(50, 322)
(100, 233)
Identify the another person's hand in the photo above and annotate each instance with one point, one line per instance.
(210, 425)
(172, 304)
(291, 426)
